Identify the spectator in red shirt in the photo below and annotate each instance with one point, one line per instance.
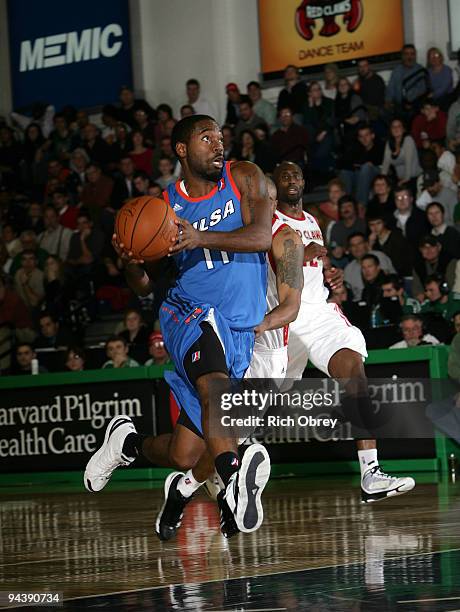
(142, 156)
(430, 123)
(67, 213)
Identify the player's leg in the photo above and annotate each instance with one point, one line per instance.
(347, 364)
(243, 481)
(337, 348)
(186, 448)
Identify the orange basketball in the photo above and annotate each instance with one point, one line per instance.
(145, 226)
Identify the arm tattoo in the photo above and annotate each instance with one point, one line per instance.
(288, 268)
(251, 203)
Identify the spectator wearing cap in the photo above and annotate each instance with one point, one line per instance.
(392, 287)
(157, 351)
(294, 94)
(448, 236)
(430, 123)
(409, 219)
(199, 103)
(391, 242)
(233, 104)
(262, 108)
(290, 141)
(439, 299)
(248, 119)
(413, 333)
(117, 350)
(434, 191)
(431, 259)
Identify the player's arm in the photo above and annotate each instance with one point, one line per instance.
(288, 253)
(254, 236)
(139, 279)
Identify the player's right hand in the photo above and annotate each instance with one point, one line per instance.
(313, 251)
(127, 257)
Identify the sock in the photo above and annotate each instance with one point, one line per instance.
(188, 484)
(132, 446)
(227, 464)
(367, 459)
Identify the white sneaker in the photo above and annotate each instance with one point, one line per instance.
(100, 467)
(376, 485)
(245, 488)
(212, 486)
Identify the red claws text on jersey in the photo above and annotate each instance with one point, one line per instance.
(328, 10)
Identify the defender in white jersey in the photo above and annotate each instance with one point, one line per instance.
(284, 290)
(322, 333)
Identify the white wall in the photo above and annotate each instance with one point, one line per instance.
(214, 41)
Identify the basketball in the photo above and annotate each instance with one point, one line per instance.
(145, 226)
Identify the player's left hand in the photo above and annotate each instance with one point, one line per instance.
(188, 237)
(334, 277)
(261, 328)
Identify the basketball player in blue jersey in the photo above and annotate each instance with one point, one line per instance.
(186, 449)
(209, 316)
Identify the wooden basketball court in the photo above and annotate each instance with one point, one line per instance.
(318, 549)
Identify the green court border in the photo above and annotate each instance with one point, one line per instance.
(436, 355)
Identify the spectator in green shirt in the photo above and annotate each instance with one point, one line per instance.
(439, 299)
(117, 349)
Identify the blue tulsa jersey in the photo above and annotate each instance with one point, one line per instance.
(234, 283)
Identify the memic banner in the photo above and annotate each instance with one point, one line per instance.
(80, 56)
(313, 32)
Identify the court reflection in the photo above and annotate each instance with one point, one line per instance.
(318, 546)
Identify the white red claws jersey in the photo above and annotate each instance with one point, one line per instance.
(314, 291)
(275, 338)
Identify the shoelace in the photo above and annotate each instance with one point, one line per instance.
(378, 470)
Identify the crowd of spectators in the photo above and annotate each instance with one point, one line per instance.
(387, 153)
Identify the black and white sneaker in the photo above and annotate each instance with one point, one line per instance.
(227, 520)
(376, 485)
(110, 455)
(244, 490)
(170, 516)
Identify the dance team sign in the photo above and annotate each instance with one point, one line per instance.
(313, 32)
